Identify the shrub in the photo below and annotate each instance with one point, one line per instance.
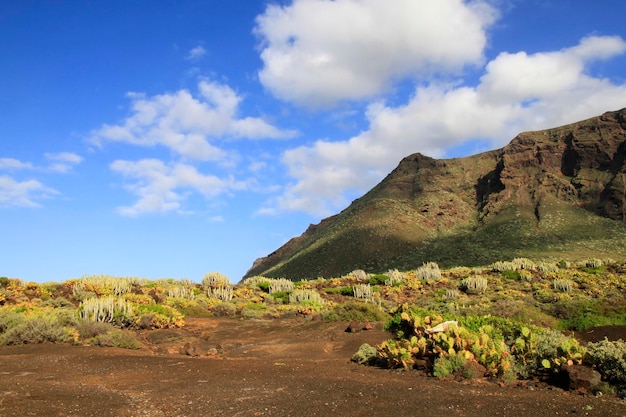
(116, 338)
(378, 279)
(224, 310)
(610, 360)
(89, 329)
(37, 330)
(354, 310)
(346, 291)
(158, 316)
(366, 355)
(59, 302)
(448, 365)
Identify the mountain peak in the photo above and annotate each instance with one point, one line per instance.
(556, 193)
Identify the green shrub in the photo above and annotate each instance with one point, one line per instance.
(158, 316)
(347, 291)
(116, 338)
(378, 279)
(448, 365)
(366, 355)
(9, 319)
(89, 329)
(282, 297)
(511, 274)
(59, 302)
(224, 310)
(36, 330)
(609, 357)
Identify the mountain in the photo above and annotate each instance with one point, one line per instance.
(552, 194)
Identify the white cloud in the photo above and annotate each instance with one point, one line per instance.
(14, 164)
(518, 92)
(22, 193)
(318, 52)
(62, 162)
(186, 124)
(196, 53)
(162, 187)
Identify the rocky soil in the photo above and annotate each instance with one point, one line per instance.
(288, 367)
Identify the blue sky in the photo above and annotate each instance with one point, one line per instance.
(174, 138)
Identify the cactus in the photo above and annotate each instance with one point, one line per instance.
(359, 275)
(181, 292)
(281, 285)
(362, 291)
(429, 271)
(223, 292)
(564, 285)
(474, 285)
(395, 277)
(452, 293)
(104, 285)
(106, 309)
(215, 279)
(501, 266)
(299, 296)
(254, 281)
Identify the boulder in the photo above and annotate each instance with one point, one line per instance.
(580, 378)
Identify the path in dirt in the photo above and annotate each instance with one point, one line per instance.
(293, 367)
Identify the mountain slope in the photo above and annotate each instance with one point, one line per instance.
(558, 193)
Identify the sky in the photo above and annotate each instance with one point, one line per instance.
(173, 138)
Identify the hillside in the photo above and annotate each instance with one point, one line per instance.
(558, 193)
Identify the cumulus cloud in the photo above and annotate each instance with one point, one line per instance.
(62, 162)
(14, 164)
(517, 92)
(188, 125)
(196, 53)
(162, 187)
(22, 193)
(318, 52)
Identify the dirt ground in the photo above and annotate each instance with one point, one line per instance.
(288, 367)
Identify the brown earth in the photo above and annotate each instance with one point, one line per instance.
(288, 367)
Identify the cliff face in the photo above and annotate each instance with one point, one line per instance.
(558, 193)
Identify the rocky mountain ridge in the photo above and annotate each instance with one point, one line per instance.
(556, 193)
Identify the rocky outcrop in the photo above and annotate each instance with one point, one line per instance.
(555, 193)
